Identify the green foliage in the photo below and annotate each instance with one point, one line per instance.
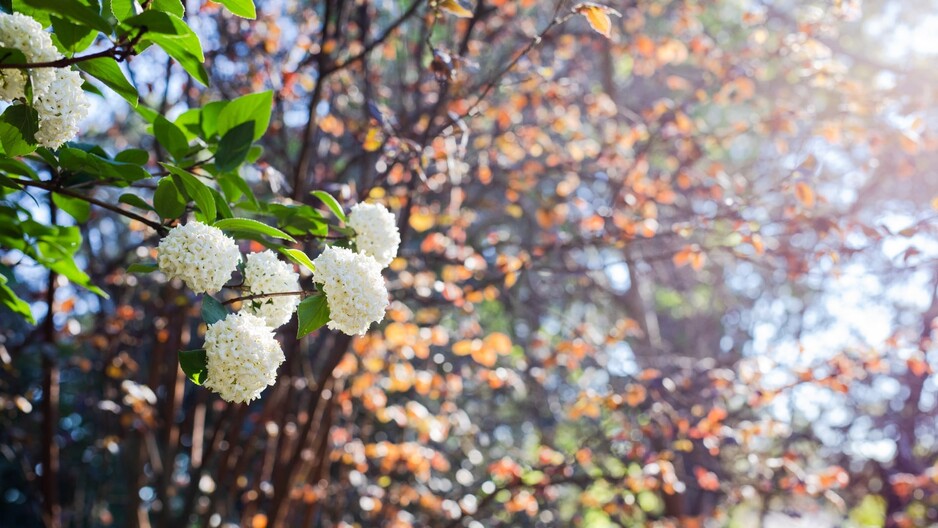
(312, 314)
(251, 227)
(225, 130)
(106, 70)
(212, 310)
(242, 8)
(332, 203)
(299, 257)
(194, 365)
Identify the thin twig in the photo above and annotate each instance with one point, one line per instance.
(121, 51)
(159, 228)
(302, 293)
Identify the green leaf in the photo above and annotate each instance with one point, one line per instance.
(173, 7)
(311, 314)
(234, 185)
(212, 310)
(71, 37)
(13, 302)
(167, 200)
(208, 118)
(199, 192)
(135, 156)
(242, 8)
(233, 147)
(332, 203)
(123, 9)
(194, 365)
(251, 226)
(12, 56)
(93, 162)
(221, 204)
(171, 137)
(68, 269)
(177, 39)
(18, 127)
(136, 201)
(106, 70)
(299, 257)
(252, 107)
(142, 267)
(74, 11)
(78, 209)
(12, 166)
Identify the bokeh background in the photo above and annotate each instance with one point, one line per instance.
(682, 276)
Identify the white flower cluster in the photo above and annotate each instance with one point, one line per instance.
(354, 289)
(376, 232)
(20, 32)
(265, 273)
(201, 255)
(57, 94)
(242, 357)
(61, 105)
(242, 354)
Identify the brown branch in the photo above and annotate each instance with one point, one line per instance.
(377, 41)
(121, 51)
(493, 82)
(158, 227)
(52, 510)
(302, 293)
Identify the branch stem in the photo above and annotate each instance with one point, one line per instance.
(301, 293)
(159, 228)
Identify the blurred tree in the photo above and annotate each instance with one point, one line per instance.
(663, 262)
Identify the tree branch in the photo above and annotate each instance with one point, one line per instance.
(119, 52)
(301, 293)
(158, 227)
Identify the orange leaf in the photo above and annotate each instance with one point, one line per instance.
(454, 8)
(597, 16)
(805, 194)
(484, 356)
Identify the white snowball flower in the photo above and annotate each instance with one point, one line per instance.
(242, 357)
(61, 106)
(57, 94)
(265, 273)
(376, 231)
(354, 287)
(18, 31)
(202, 256)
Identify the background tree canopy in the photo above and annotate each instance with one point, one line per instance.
(661, 262)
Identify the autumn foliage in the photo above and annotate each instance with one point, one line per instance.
(662, 263)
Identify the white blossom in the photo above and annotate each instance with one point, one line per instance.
(200, 255)
(354, 288)
(265, 273)
(61, 105)
(23, 33)
(57, 94)
(242, 357)
(376, 232)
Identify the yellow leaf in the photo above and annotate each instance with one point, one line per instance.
(805, 194)
(372, 140)
(597, 16)
(421, 221)
(934, 202)
(454, 8)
